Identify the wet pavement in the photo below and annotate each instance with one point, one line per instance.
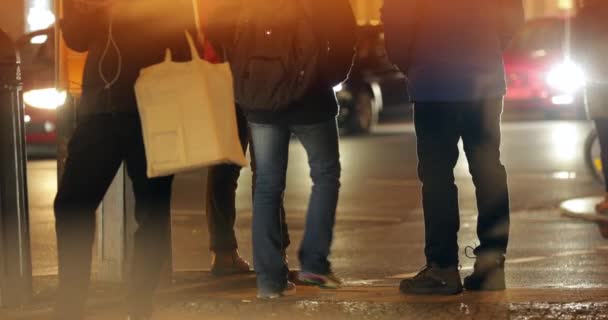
(557, 266)
(201, 296)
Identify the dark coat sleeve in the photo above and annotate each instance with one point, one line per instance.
(78, 28)
(340, 31)
(512, 18)
(400, 19)
(219, 21)
(589, 31)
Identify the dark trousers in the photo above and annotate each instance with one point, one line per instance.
(222, 182)
(439, 127)
(97, 149)
(601, 126)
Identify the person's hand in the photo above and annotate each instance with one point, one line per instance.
(86, 6)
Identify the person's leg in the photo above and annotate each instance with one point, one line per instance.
(93, 160)
(284, 228)
(481, 139)
(322, 146)
(221, 209)
(271, 143)
(437, 131)
(152, 245)
(222, 182)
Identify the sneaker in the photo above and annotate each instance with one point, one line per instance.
(488, 274)
(290, 290)
(433, 280)
(228, 263)
(602, 207)
(326, 281)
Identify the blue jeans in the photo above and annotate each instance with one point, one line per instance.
(271, 145)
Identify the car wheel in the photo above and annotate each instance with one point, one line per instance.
(365, 116)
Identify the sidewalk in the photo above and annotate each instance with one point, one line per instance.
(584, 209)
(201, 296)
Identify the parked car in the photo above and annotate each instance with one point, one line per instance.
(375, 85)
(41, 98)
(540, 74)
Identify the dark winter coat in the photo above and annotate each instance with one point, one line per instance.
(589, 50)
(451, 50)
(142, 30)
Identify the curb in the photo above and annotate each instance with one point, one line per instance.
(194, 296)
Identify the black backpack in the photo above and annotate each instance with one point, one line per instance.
(276, 55)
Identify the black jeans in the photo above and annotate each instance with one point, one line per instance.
(439, 127)
(97, 149)
(222, 182)
(601, 126)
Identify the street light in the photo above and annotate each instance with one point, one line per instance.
(39, 17)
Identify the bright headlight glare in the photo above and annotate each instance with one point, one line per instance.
(566, 77)
(50, 98)
(338, 88)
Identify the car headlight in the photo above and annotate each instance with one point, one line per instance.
(50, 98)
(338, 88)
(566, 77)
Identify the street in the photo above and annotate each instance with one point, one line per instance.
(557, 259)
(379, 232)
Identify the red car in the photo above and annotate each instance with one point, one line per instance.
(41, 98)
(540, 73)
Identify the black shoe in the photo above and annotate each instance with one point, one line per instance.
(488, 274)
(433, 280)
(228, 263)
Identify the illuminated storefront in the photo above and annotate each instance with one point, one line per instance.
(539, 8)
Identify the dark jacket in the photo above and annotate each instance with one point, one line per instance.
(451, 50)
(336, 25)
(142, 30)
(589, 50)
(590, 41)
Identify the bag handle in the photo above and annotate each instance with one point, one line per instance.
(193, 52)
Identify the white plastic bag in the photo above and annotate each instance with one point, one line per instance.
(188, 115)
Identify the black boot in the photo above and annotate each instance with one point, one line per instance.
(488, 274)
(433, 280)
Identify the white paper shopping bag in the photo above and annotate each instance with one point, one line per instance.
(188, 115)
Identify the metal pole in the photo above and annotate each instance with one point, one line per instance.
(115, 230)
(15, 255)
